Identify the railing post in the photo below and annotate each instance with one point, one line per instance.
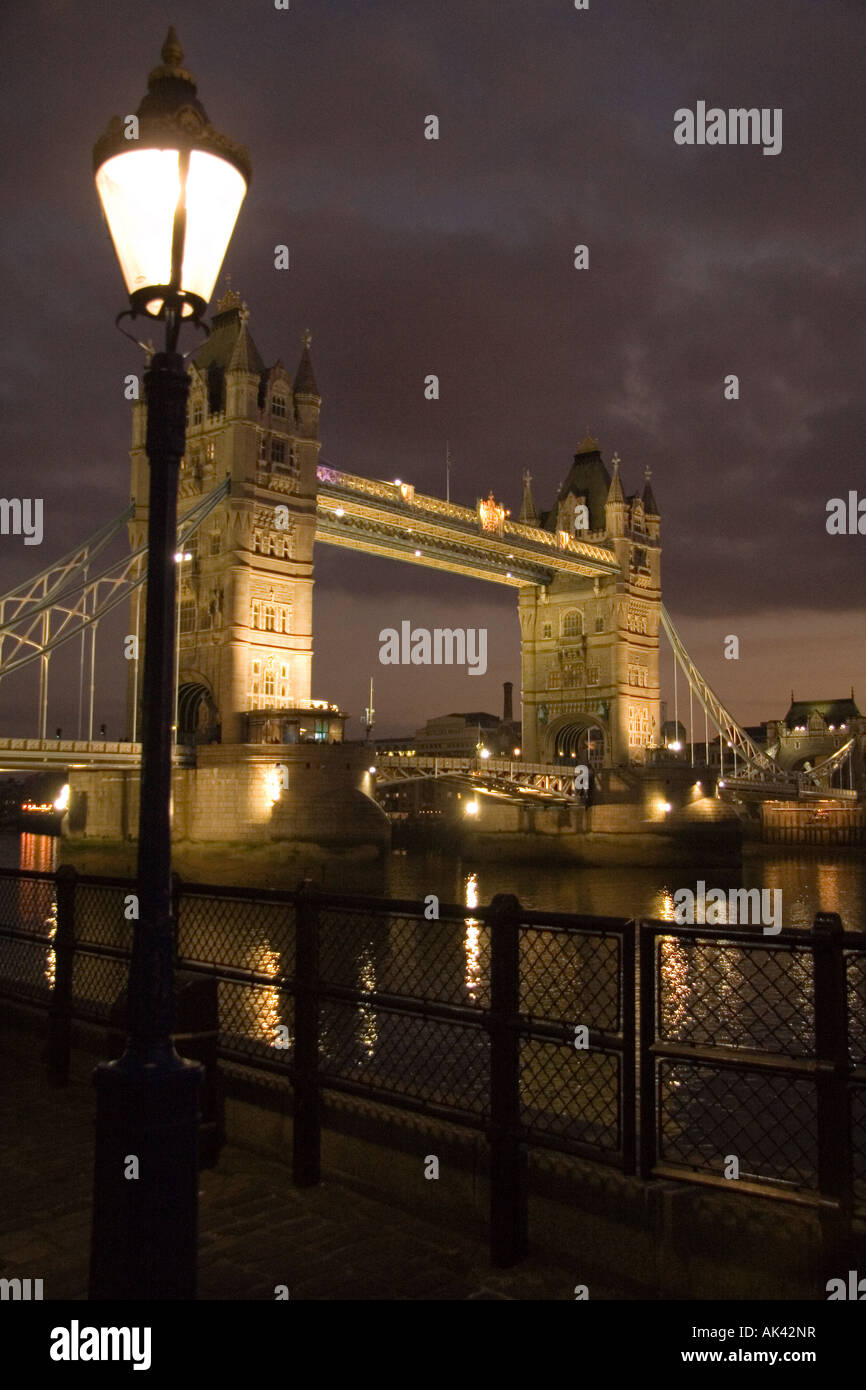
(60, 1015)
(307, 1121)
(176, 895)
(508, 1174)
(628, 1058)
(647, 990)
(835, 1158)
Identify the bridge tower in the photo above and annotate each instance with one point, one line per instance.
(245, 595)
(590, 647)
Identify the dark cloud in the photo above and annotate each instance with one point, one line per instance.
(411, 256)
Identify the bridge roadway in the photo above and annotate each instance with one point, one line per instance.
(33, 754)
(394, 520)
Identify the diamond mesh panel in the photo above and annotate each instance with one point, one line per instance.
(27, 967)
(426, 1059)
(856, 963)
(96, 983)
(858, 1139)
(257, 1021)
(728, 995)
(446, 962)
(768, 1122)
(27, 904)
(237, 931)
(570, 1094)
(99, 915)
(570, 977)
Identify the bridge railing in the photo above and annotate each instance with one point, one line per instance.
(712, 1055)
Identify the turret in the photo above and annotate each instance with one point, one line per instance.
(308, 402)
(615, 507)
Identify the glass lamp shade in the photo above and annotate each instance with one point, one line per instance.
(171, 213)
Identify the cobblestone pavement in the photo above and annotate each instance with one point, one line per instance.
(256, 1229)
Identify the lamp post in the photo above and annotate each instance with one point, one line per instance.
(171, 187)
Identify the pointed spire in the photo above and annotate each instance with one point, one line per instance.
(649, 501)
(528, 514)
(244, 357)
(616, 493)
(305, 379)
(172, 53)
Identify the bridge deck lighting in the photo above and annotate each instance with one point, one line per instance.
(417, 553)
(339, 511)
(371, 769)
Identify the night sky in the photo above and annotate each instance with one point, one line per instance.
(410, 256)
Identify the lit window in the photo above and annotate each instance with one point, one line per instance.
(257, 542)
(268, 681)
(187, 615)
(269, 617)
(572, 623)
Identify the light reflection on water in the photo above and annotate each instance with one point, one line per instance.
(809, 883)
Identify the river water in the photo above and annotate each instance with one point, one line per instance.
(810, 881)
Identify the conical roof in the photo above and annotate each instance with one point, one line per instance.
(305, 378)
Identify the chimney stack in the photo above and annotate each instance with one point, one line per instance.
(507, 712)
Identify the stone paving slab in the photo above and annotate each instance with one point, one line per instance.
(256, 1230)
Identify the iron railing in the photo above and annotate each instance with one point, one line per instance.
(669, 1051)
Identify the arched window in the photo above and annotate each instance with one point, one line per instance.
(268, 682)
(572, 623)
(278, 405)
(283, 690)
(256, 618)
(269, 617)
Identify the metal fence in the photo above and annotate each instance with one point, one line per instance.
(703, 1054)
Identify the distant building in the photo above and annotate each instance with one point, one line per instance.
(813, 729)
(457, 735)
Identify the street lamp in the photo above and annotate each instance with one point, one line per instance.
(171, 187)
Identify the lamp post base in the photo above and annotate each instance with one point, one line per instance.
(145, 1197)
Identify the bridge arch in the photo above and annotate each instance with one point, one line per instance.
(584, 734)
(198, 719)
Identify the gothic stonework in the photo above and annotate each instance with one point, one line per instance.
(245, 597)
(590, 651)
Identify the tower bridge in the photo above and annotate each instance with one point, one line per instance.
(255, 496)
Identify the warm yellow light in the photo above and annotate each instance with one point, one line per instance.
(214, 193)
(665, 806)
(485, 752)
(62, 802)
(140, 191)
(676, 746)
(273, 784)
(471, 808)
(517, 752)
